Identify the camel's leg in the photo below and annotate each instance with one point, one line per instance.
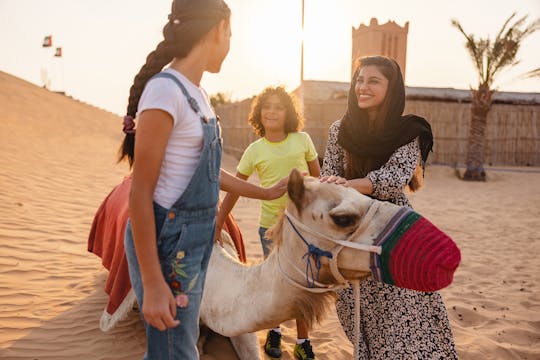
(246, 346)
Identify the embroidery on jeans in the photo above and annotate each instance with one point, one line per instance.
(178, 272)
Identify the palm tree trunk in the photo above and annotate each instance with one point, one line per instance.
(481, 104)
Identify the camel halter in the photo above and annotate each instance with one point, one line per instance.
(332, 255)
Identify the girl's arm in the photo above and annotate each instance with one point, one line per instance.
(232, 184)
(153, 129)
(226, 206)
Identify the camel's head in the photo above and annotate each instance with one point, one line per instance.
(412, 252)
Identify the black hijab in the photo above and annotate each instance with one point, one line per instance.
(368, 149)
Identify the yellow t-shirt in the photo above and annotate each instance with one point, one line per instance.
(273, 161)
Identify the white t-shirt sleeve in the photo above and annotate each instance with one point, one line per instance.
(161, 94)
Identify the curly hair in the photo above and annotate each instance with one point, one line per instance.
(294, 121)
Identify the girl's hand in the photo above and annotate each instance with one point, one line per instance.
(217, 236)
(277, 190)
(332, 179)
(159, 306)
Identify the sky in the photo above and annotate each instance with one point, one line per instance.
(105, 42)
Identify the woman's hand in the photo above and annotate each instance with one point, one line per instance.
(332, 179)
(159, 306)
(277, 190)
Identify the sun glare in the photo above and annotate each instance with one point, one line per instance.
(274, 40)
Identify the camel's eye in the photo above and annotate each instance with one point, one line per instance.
(344, 220)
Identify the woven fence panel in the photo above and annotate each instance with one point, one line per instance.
(512, 133)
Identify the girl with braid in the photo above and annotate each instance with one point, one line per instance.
(176, 176)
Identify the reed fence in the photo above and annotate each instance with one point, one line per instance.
(512, 134)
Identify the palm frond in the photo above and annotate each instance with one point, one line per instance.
(498, 43)
(510, 44)
(492, 57)
(499, 34)
(532, 73)
(473, 47)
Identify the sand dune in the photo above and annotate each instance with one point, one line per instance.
(57, 164)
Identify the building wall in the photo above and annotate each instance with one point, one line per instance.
(387, 39)
(512, 137)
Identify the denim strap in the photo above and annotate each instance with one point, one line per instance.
(191, 101)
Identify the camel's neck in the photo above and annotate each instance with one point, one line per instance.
(257, 297)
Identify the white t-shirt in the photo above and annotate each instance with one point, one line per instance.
(185, 143)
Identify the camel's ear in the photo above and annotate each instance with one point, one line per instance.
(296, 188)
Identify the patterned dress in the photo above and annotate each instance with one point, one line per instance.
(395, 323)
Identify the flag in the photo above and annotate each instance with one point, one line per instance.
(58, 52)
(47, 41)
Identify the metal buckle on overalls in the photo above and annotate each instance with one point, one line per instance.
(193, 103)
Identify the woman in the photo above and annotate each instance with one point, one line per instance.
(380, 152)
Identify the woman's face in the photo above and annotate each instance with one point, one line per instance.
(273, 114)
(371, 87)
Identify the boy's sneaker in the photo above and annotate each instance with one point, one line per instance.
(272, 346)
(304, 351)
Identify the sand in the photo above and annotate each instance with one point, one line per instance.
(57, 163)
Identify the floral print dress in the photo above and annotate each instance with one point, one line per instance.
(395, 323)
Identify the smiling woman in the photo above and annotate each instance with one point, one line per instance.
(381, 152)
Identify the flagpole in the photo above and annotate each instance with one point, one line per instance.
(302, 49)
(302, 65)
(46, 70)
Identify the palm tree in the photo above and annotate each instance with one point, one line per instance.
(489, 58)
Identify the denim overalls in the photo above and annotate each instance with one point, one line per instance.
(185, 234)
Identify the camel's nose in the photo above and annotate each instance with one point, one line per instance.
(417, 255)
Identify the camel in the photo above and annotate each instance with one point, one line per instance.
(328, 236)
(338, 224)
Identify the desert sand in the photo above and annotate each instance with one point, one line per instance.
(57, 163)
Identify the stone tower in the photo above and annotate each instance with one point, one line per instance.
(388, 39)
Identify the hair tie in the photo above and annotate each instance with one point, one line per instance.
(129, 125)
(173, 20)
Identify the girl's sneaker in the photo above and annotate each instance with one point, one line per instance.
(272, 346)
(304, 351)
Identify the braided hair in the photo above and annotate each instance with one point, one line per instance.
(189, 22)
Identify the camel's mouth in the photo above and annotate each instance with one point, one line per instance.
(415, 254)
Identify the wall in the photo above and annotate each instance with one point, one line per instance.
(513, 131)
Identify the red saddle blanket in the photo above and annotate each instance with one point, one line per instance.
(106, 240)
